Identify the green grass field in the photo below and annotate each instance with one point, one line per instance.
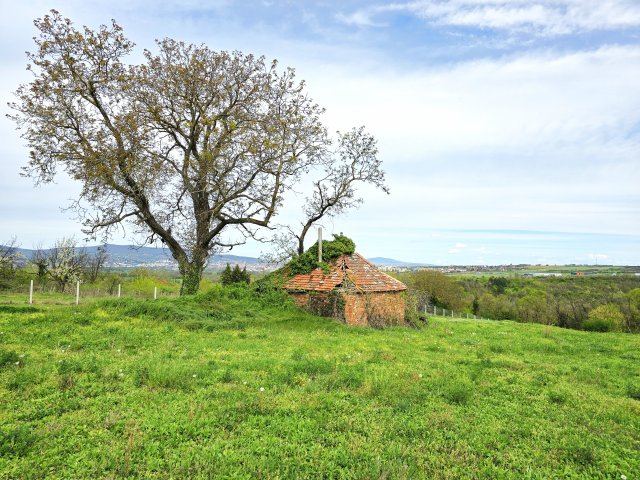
(227, 385)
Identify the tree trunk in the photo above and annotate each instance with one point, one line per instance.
(191, 275)
(192, 271)
(303, 234)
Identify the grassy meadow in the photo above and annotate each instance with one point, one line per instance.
(227, 384)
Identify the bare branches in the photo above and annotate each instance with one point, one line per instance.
(188, 146)
(354, 161)
(10, 257)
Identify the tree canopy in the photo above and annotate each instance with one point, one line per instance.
(195, 148)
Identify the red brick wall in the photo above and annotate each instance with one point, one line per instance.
(374, 309)
(355, 312)
(301, 299)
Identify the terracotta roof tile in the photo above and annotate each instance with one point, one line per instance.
(355, 268)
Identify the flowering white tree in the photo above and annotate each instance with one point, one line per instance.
(65, 262)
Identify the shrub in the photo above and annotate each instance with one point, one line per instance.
(604, 318)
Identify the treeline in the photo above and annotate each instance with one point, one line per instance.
(600, 303)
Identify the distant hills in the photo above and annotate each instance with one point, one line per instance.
(127, 256)
(151, 257)
(390, 262)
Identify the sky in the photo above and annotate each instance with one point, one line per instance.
(509, 130)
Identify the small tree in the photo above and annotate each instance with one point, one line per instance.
(95, 263)
(435, 288)
(226, 277)
(10, 258)
(235, 275)
(498, 284)
(39, 260)
(354, 162)
(65, 263)
(604, 318)
(9, 255)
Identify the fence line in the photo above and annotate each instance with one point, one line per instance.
(118, 294)
(451, 313)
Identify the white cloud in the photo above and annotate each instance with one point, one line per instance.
(545, 141)
(543, 17)
(457, 248)
(587, 101)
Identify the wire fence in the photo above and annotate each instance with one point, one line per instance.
(75, 295)
(443, 312)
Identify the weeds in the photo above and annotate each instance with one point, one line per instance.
(16, 441)
(10, 358)
(457, 392)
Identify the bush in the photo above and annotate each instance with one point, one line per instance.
(604, 318)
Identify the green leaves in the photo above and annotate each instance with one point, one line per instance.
(308, 261)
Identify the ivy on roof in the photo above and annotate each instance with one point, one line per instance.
(308, 261)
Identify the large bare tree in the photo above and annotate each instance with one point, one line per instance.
(195, 147)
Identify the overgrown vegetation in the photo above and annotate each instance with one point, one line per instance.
(308, 261)
(601, 303)
(237, 382)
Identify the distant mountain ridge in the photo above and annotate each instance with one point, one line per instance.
(391, 262)
(134, 256)
(151, 257)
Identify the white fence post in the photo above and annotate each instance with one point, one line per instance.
(31, 292)
(77, 292)
(155, 293)
(451, 313)
(119, 289)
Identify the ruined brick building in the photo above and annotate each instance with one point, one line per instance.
(354, 290)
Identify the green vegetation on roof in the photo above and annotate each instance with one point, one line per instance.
(308, 261)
